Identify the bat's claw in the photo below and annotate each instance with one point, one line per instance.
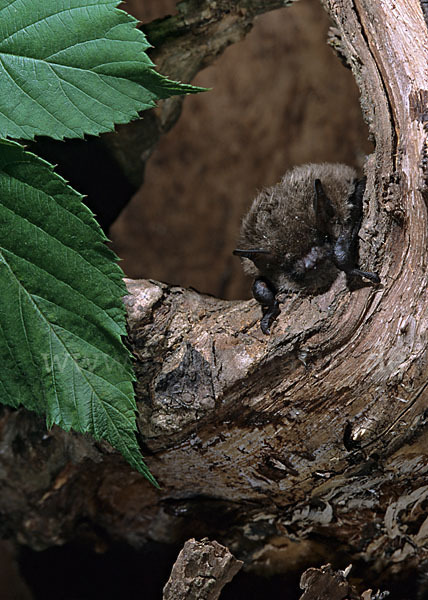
(270, 314)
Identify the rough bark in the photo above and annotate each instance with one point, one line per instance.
(292, 448)
(324, 583)
(201, 571)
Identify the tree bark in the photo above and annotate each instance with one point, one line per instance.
(289, 448)
(325, 583)
(201, 571)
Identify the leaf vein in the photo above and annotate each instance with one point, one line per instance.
(28, 95)
(51, 16)
(101, 78)
(50, 236)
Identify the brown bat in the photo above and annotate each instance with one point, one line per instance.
(298, 234)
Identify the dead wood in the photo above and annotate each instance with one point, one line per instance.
(324, 583)
(201, 571)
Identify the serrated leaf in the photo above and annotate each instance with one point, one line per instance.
(62, 316)
(73, 67)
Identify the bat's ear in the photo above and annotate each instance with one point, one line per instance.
(356, 199)
(323, 208)
(360, 187)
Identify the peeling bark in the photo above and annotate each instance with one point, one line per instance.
(201, 571)
(326, 583)
(289, 448)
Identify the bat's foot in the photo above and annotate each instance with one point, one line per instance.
(270, 314)
(265, 293)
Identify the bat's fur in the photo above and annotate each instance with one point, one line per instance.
(302, 231)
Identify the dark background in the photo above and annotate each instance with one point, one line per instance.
(279, 98)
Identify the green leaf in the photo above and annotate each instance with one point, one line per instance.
(62, 317)
(73, 67)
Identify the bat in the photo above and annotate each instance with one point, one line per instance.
(298, 234)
